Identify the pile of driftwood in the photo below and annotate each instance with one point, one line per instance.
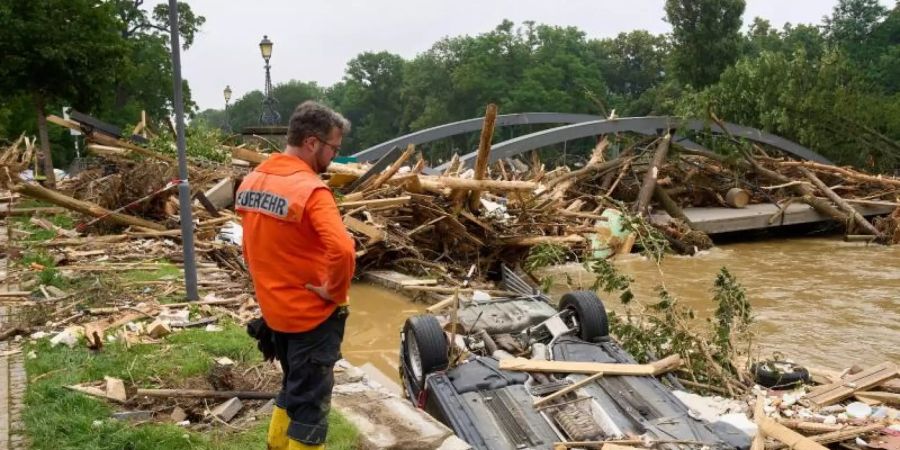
(408, 218)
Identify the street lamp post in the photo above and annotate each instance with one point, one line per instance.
(270, 116)
(227, 94)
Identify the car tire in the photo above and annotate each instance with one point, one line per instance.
(425, 347)
(779, 374)
(590, 313)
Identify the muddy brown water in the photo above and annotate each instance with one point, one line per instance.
(818, 301)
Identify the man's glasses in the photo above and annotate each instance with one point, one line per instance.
(337, 148)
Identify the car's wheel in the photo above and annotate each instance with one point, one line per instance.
(779, 374)
(589, 313)
(425, 347)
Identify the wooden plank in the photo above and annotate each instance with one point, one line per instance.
(830, 394)
(830, 438)
(759, 440)
(880, 397)
(527, 365)
(374, 234)
(567, 389)
(377, 203)
(791, 438)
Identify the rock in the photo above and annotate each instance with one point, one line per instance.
(177, 316)
(178, 415)
(133, 415)
(224, 361)
(226, 411)
(115, 389)
(159, 329)
(55, 291)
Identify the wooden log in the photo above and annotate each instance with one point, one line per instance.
(567, 389)
(813, 427)
(857, 217)
(527, 365)
(484, 152)
(438, 183)
(851, 174)
(199, 393)
(248, 155)
(737, 198)
(649, 183)
(376, 203)
(526, 241)
(91, 209)
(794, 440)
(670, 206)
(859, 238)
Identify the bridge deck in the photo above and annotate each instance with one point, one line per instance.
(757, 216)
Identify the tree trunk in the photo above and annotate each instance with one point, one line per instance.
(45, 156)
(484, 152)
(647, 187)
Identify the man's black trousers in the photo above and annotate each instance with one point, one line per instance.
(307, 360)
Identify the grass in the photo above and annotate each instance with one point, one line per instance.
(57, 418)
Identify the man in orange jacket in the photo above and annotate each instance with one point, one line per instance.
(301, 259)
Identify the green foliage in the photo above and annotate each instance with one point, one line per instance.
(609, 279)
(545, 255)
(202, 141)
(732, 311)
(706, 38)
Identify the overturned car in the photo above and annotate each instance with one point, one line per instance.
(495, 409)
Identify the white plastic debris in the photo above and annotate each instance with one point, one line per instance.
(829, 420)
(69, 336)
(176, 316)
(32, 355)
(496, 210)
(789, 399)
(861, 442)
(212, 328)
(184, 423)
(480, 296)
(231, 233)
(859, 410)
(39, 335)
(224, 361)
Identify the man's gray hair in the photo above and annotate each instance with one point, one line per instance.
(314, 119)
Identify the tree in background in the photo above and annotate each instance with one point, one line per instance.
(143, 81)
(57, 51)
(705, 38)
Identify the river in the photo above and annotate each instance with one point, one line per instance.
(818, 301)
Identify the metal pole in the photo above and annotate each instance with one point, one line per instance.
(184, 190)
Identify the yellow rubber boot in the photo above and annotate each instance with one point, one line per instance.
(297, 445)
(277, 438)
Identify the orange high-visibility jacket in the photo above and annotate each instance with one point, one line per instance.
(294, 235)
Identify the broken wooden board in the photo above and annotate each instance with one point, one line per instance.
(222, 194)
(377, 203)
(395, 280)
(528, 365)
(791, 438)
(374, 233)
(830, 394)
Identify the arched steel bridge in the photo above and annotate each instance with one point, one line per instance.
(581, 126)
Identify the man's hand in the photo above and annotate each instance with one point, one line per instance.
(320, 291)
